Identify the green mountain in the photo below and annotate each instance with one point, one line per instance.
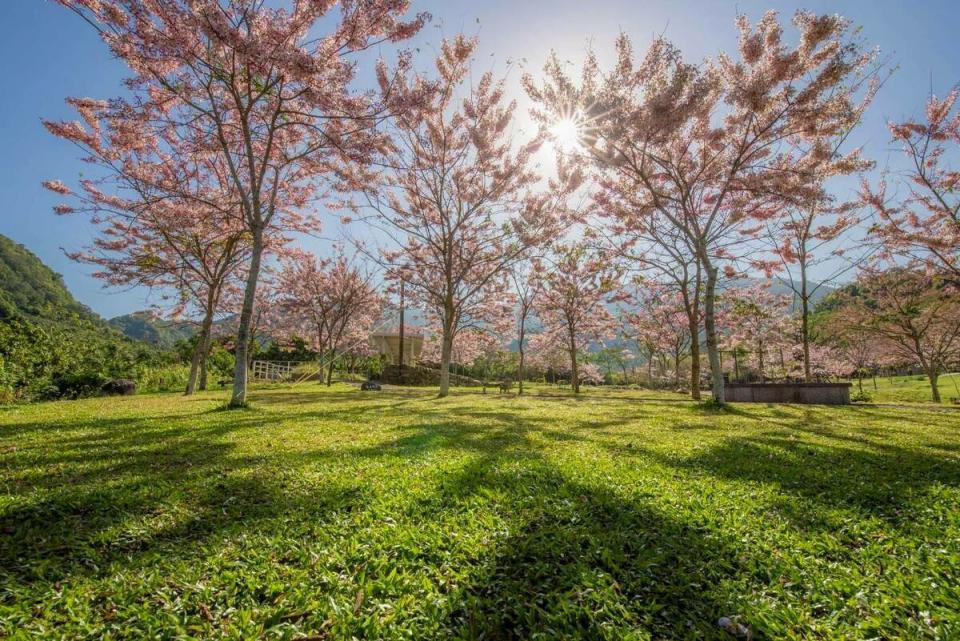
(52, 346)
(30, 289)
(150, 328)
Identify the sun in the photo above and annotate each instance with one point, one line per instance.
(566, 133)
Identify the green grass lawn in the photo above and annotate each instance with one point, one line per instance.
(340, 514)
(909, 389)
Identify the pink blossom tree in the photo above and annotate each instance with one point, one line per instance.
(809, 237)
(525, 292)
(657, 320)
(911, 312)
(333, 297)
(759, 321)
(665, 259)
(813, 231)
(165, 214)
(547, 353)
(266, 89)
(458, 195)
(703, 148)
(575, 288)
(923, 221)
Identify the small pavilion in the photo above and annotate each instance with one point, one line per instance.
(387, 344)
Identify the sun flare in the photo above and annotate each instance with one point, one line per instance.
(566, 133)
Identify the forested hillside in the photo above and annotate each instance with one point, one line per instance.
(31, 289)
(52, 346)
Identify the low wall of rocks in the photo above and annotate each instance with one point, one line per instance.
(806, 393)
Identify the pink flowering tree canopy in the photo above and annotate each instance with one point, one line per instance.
(459, 195)
(265, 89)
(922, 221)
(333, 301)
(705, 149)
(576, 286)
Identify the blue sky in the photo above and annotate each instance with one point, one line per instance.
(49, 54)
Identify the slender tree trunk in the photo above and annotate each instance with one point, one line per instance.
(198, 361)
(710, 327)
(239, 397)
(693, 322)
(205, 360)
(676, 367)
(333, 360)
(520, 372)
(574, 372)
(934, 388)
(446, 351)
(805, 322)
(695, 361)
(194, 367)
(213, 298)
(736, 364)
(574, 367)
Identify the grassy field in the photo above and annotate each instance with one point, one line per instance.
(909, 389)
(339, 514)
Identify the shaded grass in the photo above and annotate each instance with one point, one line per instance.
(331, 513)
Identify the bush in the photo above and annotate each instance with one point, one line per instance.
(219, 362)
(162, 378)
(78, 384)
(68, 358)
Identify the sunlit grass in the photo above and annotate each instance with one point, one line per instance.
(908, 389)
(332, 513)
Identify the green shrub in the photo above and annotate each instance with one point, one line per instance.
(77, 384)
(220, 362)
(72, 358)
(162, 378)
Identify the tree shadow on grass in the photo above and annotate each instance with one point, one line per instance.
(581, 562)
(879, 480)
(82, 529)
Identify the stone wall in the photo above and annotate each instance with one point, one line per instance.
(807, 393)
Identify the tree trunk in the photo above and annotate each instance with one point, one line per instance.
(695, 362)
(710, 327)
(446, 351)
(574, 367)
(934, 389)
(239, 397)
(520, 372)
(199, 360)
(194, 367)
(805, 323)
(204, 361)
(333, 360)
(213, 297)
(676, 367)
(574, 372)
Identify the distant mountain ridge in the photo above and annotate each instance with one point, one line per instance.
(150, 327)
